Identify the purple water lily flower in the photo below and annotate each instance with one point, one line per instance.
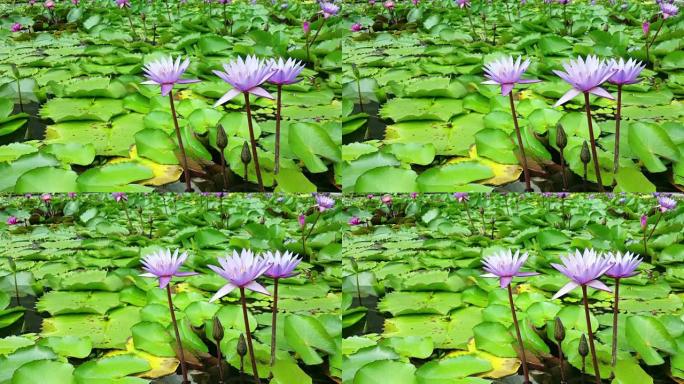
(166, 73)
(324, 202)
(123, 3)
(668, 10)
(506, 72)
(285, 72)
(626, 72)
(666, 204)
(585, 76)
(563, 2)
(329, 9)
(623, 264)
(12, 220)
(16, 27)
(583, 268)
(356, 27)
(463, 3)
(245, 75)
(505, 265)
(282, 264)
(241, 270)
(163, 265)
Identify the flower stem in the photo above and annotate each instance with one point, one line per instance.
(615, 321)
(223, 171)
(650, 235)
(250, 348)
(470, 218)
(616, 156)
(253, 142)
(560, 364)
(277, 132)
(523, 359)
(304, 238)
(273, 321)
(649, 44)
(310, 43)
(597, 372)
(526, 170)
(597, 168)
(184, 369)
(184, 158)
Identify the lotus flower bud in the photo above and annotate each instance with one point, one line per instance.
(583, 348)
(585, 156)
(221, 138)
(561, 138)
(245, 155)
(242, 346)
(217, 332)
(558, 330)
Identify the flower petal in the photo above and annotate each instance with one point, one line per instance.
(256, 287)
(598, 284)
(569, 95)
(226, 289)
(225, 98)
(566, 288)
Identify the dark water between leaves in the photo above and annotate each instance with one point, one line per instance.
(550, 180)
(546, 373)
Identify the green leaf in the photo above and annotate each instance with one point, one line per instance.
(306, 335)
(47, 179)
(648, 336)
(309, 141)
(387, 179)
(394, 372)
(44, 372)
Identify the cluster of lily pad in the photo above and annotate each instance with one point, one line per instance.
(417, 116)
(91, 303)
(418, 310)
(82, 122)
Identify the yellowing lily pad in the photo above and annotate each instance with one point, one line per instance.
(503, 173)
(163, 174)
(502, 366)
(161, 366)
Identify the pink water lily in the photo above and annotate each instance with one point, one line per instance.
(245, 75)
(166, 73)
(164, 265)
(506, 72)
(583, 269)
(505, 265)
(585, 76)
(241, 270)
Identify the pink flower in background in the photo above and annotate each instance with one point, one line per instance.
(356, 27)
(646, 27)
(306, 27)
(386, 199)
(354, 221)
(389, 4)
(12, 220)
(46, 197)
(123, 3)
(49, 4)
(302, 220)
(16, 27)
(644, 221)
